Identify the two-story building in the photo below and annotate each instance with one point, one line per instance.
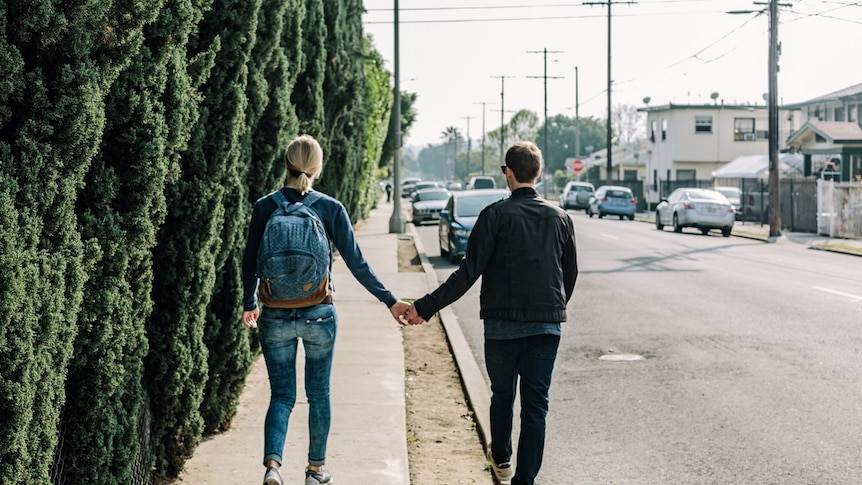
(688, 142)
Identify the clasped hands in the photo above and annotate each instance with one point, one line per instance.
(405, 313)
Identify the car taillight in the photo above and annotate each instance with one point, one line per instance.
(634, 200)
(605, 199)
(688, 206)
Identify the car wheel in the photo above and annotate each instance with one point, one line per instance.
(658, 224)
(725, 231)
(622, 217)
(590, 213)
(601, 214)
(444, 252)
(676, 226)
(704, 231)
(632, 217)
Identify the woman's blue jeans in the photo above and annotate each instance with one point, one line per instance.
(532, 359)
(280, 331)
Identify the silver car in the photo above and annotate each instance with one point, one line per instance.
(427, 204)
(704, 209)
(576, 195)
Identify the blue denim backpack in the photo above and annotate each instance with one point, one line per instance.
(295, 257)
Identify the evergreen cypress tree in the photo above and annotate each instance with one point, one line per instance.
(205, 218)
(62, 59)
(344, 116)
(307, 95)
(121, 207)
(378, 99)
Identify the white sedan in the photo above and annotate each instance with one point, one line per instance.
(704, 209)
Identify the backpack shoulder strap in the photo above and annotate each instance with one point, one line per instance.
(278, 198)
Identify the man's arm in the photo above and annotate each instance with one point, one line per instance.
(480, 248)
(570, 262)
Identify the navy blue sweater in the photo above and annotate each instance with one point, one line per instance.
(340, 231)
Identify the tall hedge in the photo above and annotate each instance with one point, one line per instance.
(189, 242)
(343, 105)
(121, 208)
(134, 137)
(61, 59)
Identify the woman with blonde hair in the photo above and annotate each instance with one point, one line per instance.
(281, 329)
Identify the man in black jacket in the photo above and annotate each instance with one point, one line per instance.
(524, 249)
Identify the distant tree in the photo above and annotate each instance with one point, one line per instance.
(451, 136)
(561, 139)
(524, 125)
(408, 117)
(628, 124)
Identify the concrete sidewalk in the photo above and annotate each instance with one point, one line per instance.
(367, 442)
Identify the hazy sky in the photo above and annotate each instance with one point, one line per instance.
(453, 52)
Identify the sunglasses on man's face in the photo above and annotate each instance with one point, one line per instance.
(503, 168)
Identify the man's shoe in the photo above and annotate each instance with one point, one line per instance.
(503, 471)
(272, 477)
(322, 477)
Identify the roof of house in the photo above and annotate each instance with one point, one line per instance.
(835, 131)
(855, 90)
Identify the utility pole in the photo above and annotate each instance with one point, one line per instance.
(469, 143)
(545, 129)
(609, 131)
(772, 114)
(396, 222)
(482, 170)
(502, 122)
(774, 184)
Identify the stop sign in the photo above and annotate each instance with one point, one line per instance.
(577, 165)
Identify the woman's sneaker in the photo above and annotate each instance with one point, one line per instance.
(503, 471)
(272, 477)
(322, 477)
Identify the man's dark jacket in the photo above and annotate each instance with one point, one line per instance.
(524, 249)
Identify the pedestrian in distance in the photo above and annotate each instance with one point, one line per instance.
(313, 320)
(388, 192)
(524, 249)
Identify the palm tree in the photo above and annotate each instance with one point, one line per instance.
(451, 136)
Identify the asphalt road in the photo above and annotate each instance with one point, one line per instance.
(750, 359)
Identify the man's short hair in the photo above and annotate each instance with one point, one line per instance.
(525, 160)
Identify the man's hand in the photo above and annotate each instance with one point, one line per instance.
(413, 317)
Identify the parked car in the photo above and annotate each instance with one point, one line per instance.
(422, 186)
(612, 200)
(704, 209)
(407, 185)
(481, 182)
(453, 185)
(427, 204)
(576, 195)
(734, 196)
(459, 216)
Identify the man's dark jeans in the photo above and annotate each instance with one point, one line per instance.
(532, 359)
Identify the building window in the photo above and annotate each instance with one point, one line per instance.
(853, 113)
(703, 124)
(839, 114)
(630, 175)
(663, 130)
(652, 131)
(743, 129)
(686, 175)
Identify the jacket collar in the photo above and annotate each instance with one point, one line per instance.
(525, 192)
